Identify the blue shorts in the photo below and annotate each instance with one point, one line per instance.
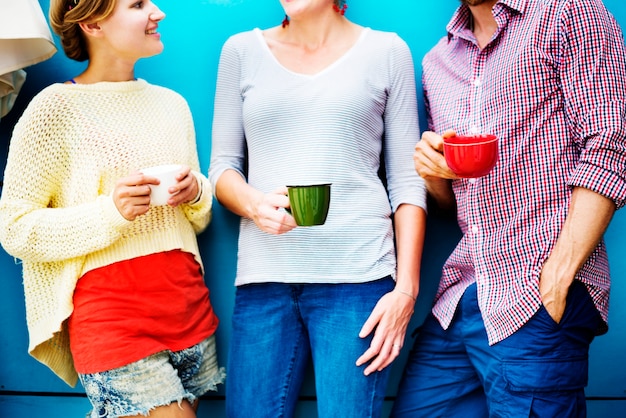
(540, 371)
(157, 380)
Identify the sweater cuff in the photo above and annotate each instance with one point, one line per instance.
(198, 195)
(111, 214)
(202, 184)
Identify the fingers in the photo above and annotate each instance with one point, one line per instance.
(268, 215)
(185, 182)
(185, 190)
(388, 321)
(432, 142)
(428, 156)
(282, 190)
(131, 200)
(380, 355)
(448, 133)
(132, 193)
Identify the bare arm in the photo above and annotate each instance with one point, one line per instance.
(391, 315)
(410, 229)
(589, 216)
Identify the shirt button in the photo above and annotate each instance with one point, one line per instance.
(477, 82)
(475, 229)
(472, 180)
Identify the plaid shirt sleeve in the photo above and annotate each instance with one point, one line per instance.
(593, 76)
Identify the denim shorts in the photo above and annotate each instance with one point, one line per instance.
(157, 380)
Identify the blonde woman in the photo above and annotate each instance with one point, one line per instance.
(114, 286)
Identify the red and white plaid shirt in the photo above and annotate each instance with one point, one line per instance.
(551, 85)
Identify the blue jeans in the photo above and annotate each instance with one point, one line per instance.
(539, 371)
(278, 327)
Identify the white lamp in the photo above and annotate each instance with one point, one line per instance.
(25, 39)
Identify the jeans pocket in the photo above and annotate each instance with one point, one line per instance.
(547, 375)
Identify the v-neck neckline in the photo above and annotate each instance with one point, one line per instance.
(259, 34)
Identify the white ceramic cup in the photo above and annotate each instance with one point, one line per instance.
(159, 195)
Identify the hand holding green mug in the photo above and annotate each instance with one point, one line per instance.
(309, 203)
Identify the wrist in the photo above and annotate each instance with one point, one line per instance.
(405, 293)
(198, 196)
(560, 271)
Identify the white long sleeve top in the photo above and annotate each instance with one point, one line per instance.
(277, 128)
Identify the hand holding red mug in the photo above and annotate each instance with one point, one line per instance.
(429, 159)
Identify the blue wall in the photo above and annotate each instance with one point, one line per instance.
(193, 33)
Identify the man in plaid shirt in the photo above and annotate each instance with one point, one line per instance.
(527, 288)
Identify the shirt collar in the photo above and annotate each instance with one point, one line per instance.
(460, 21)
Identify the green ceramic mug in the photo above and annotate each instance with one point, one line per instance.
(309, 204)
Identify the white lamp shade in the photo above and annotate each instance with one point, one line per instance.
(25, 37)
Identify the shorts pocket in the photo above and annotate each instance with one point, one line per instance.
(546, 375)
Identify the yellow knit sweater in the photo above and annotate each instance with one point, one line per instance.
(56, 212)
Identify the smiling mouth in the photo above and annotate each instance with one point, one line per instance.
(151, 32)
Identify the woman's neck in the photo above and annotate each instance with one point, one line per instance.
(100, 70)
(312, 34)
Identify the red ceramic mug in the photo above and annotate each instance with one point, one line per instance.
(471, 155)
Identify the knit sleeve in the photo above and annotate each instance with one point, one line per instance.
(197, 213)
(33, 225)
